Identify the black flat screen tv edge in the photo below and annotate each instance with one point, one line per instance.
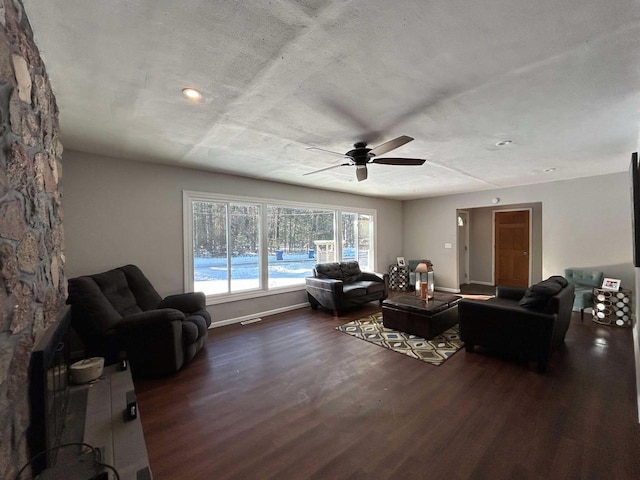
(634, 172)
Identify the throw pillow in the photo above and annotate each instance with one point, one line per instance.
(533, 300)
(537, 296)
(559, 280)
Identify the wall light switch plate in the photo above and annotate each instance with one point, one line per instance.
(447, 245)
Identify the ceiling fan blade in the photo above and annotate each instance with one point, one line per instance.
(328, 151)
(327, 168)
(361, 172)
(390, 145)
(398, 161)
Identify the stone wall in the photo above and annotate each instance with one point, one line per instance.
(32, 284)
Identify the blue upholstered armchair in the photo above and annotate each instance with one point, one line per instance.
(584, 282)
(412, 264)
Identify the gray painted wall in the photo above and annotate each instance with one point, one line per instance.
(480, 245)
(481, 241)
(119, 212)
(585, 223)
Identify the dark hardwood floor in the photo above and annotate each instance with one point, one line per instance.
(292, 398)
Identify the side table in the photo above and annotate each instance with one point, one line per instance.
(398, 278)
(612, 307)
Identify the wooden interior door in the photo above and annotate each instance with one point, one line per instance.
(512, 248)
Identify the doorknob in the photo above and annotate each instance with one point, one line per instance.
(524, 253)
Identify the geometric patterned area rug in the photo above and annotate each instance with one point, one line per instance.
(475, 297)
(434, 351)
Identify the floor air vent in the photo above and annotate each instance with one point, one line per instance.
(253, 320)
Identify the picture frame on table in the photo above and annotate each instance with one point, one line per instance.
(612, 284)
(401, 262)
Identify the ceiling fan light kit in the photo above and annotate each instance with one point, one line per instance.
(361, 156)
(361, 172)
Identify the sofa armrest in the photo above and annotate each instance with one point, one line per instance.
(153, 341)
(377, 277)
(148, 320)
(511, 293)
(185, 302)
(324, 283)
(327, 292)
(373, 276)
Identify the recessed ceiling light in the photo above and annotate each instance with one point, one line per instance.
(191, 94)
(502, 143)
(548, 170)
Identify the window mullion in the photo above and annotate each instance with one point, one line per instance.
(338, 234)
(264, 247)
(189, 256)
(356, 233)
(228, 235)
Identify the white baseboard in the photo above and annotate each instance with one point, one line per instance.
(490, 284)
(231, 321)
(449, 290)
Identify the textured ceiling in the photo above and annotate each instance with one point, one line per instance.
(559, 79)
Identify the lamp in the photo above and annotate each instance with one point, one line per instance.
(424, 285)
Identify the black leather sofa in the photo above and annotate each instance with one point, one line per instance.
(526, 323)
(119, 313)
(341, 286)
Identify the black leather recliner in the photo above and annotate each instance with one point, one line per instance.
(340, 286)
(526, 323)
(119, 312)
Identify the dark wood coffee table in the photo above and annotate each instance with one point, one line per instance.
(411, 314)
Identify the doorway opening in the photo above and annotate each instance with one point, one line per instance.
(463, 247)
(476, 247)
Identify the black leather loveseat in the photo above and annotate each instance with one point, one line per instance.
(340, 286)
(526, 323)
(119, 313)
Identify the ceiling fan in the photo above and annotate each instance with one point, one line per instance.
(361, 156)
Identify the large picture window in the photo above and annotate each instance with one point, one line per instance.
(242, 247)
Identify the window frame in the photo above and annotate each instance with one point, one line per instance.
(189, 196)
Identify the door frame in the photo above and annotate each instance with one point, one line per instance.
(466, 242)
(493, 239)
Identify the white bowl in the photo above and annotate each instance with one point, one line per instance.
(87, 370)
